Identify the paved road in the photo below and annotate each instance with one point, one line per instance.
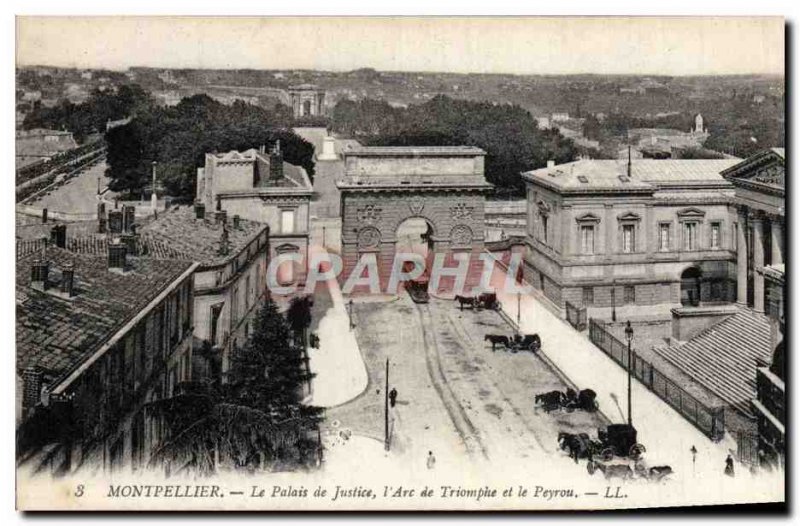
(78, 195)
(456, 397)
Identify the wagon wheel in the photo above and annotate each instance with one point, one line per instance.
(607, 454)
(514, 350)
(636, 451)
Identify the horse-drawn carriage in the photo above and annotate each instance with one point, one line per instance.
(617, 440)
(418, 290)
(487, 300)
(585, 400)
(516, 343)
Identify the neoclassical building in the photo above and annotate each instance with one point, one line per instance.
(641, 232)
(259, 186)
(760, 211)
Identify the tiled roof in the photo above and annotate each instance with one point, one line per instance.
(723, 357)
(59, 334)
(645, 173)
(177, 233)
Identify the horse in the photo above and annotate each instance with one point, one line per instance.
(587, 400)
(495, 339)
(465, 300)
(578, 446)
(549, 401)
(659, 472)
(610, 471)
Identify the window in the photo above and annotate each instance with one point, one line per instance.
(715, 235)
(663, 236)
(587, 239)
(588, 295)
(216, 310)
(630, 294)
(287, 221)
(247, 292)
(628, 238)
(544, 227)
(690, 236)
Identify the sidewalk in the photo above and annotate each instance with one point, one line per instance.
(340, 371)
(667, 436)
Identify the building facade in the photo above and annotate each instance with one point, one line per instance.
(760, 276)
(229, 281)
(307, 100)
(98, 337)
(261, 187)
(645, 232)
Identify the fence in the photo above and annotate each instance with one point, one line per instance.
(709, 420)
(576, 316)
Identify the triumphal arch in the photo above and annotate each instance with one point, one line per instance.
(384, 187)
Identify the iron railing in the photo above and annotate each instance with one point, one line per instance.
(709, 420)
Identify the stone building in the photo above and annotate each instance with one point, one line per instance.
(438, 190)
(605, 233)
(760, 182)
(41, 145)
(97, 338)
(307, 100)
(229, 282)
(261, 187)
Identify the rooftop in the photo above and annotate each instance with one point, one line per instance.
(723, 357)
(294, 177)
(645, 174)
(198, 239)
(59, 334)
(413, 151)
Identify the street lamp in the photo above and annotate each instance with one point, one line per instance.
(629, 337)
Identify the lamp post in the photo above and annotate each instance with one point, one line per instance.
(519, 311)
(629, 337)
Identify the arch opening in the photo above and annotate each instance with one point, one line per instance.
(691, 279)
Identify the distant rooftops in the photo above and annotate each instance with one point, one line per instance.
(645, 174)
(59, 334)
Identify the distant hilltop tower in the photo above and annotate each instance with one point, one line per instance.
(307, 100)
(698, 124)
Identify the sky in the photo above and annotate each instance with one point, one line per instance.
(548, 45)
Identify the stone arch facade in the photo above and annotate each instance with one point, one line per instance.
(372, 213)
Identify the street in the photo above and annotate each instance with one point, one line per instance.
(456, 397)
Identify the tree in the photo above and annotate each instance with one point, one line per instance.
(253, 420)
(508, 133)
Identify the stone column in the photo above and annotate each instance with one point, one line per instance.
(777, 240)
(741, 257)
(758, 263)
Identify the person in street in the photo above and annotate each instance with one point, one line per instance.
(431, 462)
(729, 466)
(392, 397)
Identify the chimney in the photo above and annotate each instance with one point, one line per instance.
(58, 236)
(220, 217)
(276, 162)
(236, 220)
(31, 388)
(224, 243)
(129, 240)
(40, 271)
(551, 163)
(115, 221)
(199, 210)
(101, 218)
(68, 280)
(128, 217)
(117, 255)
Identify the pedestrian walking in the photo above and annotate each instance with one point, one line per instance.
(431, 462)
(729, 466)
(392, 397)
